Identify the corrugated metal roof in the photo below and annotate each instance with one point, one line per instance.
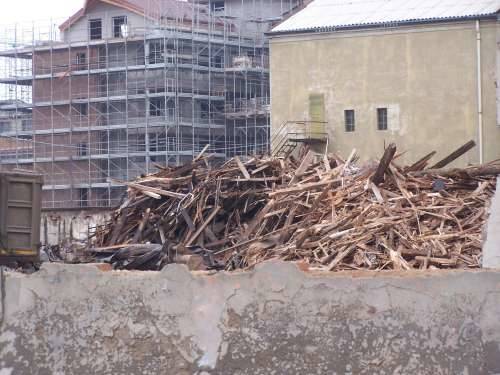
(329, 14)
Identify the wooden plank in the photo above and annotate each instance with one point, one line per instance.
(242, 168)
(202, 152)
(421, 164)
(188, 220)
(306, 163)
(340, 257)
(258, 179)
(389, 153)
(300, 188)
(148, 189)
(258, 219)
(454, 155)
(203, 226)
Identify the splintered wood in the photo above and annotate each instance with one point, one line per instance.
(322, 210)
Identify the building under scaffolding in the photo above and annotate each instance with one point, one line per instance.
(122, 86)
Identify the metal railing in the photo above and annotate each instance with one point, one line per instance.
(297, 131)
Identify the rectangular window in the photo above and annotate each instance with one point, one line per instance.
(157, 107)
(82, 109)
(83, 195)
(156, 52)
(382, 118)
(118, 22)
(95, 29)
(5, 126)
(350, 122)
(27, 125)
(83, 149)
(217, 6)
(81, 59)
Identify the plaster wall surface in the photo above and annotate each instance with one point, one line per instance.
(426, 76)
(272, 320)
(491, 248)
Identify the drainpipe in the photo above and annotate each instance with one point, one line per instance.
(479, 94)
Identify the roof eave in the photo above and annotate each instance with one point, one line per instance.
(384, 25)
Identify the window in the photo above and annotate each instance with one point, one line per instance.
(141, 143)
(81, 59)
(27, 125)
(83, 149)
(217, 6)
(5, 126)
(157, 142)
(118, 22)
(83, 195)
(157, 106)
(204, 110)
(382, 118)
(349, 117)
(82, 109)
(156, 52)
(95, 29)
(218, 61)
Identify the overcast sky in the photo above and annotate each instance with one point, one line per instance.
(21, 11)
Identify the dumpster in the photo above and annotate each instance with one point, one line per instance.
(20, 215)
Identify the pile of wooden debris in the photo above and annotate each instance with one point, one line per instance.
(331, 213)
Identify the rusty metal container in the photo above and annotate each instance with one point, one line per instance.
(20, 215)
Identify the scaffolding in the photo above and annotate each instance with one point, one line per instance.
(114, 91)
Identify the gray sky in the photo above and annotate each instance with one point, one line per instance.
(22, 11)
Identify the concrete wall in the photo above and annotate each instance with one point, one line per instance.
(491, 247)
(425, 75)
(275, 320)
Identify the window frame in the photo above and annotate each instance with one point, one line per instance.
(92, 29)
(84, 197)
(5, 126)
(349, 122)
(215, 6)
(78, 108)
(382, 119)
(82, 149)
(117, 28)
(157, 110)
(156, 53)
(81, 59)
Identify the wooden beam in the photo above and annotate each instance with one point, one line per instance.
(421, 164)
(455, 155)
(148, 189)
(306, 162)
(389, 153)
(203, 226)
(242, 168)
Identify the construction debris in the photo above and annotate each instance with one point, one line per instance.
(329, 213)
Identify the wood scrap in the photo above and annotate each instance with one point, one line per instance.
(334, 215)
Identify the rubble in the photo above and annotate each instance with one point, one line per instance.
(329, 213)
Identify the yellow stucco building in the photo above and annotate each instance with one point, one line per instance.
(386, 71)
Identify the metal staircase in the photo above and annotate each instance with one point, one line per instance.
(292, 133)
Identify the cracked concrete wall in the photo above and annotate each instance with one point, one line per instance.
(273, 320)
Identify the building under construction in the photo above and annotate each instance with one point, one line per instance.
(123, 86)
